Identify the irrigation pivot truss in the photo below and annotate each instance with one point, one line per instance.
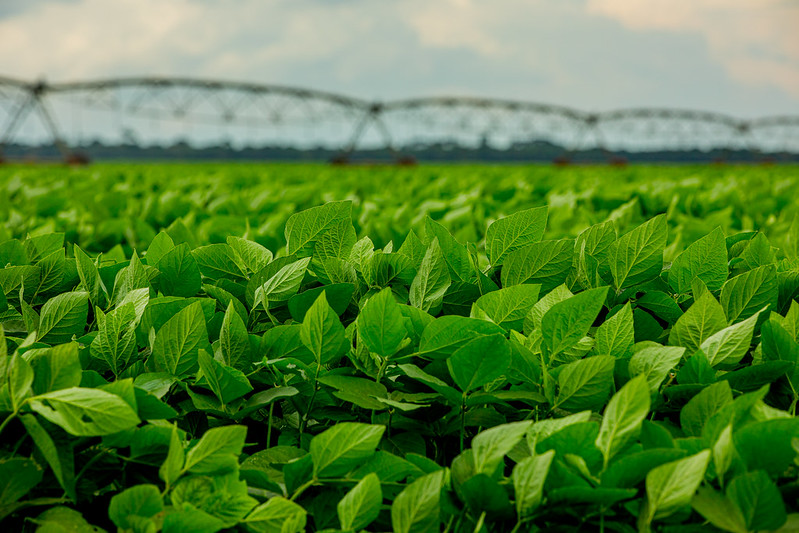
(153, 110)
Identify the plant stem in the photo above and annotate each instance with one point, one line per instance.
(7, 420)
(463, 419)
(304, 421)
(269, 426)
(302, 488)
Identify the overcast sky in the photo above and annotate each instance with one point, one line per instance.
(735, 56)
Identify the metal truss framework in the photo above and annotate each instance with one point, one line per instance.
(281, 115)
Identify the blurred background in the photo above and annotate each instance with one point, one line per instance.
(404, 80)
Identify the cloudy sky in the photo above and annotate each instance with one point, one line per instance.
(735, 56)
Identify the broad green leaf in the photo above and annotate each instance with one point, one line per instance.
(252, 255)
(234, 341)
(159, 246)
(718, 510)
(284, 284)
(225, 382)
(444, 335)
(637, 256)
(341, 448)
(325, 230)
(547, 427)
(508, 306)
(655, 363)
(766, 445)
(705, 259)
(17, 378)
(381, 324)
(361, 505)
(515, 231)
(90, 277)
(585, 384)
(759, 501)
(18, 476)
(490, 447)
(172, 466)
(704, 318)
(479, 361)
(277, 515)
(615, 336)
(672, 486)
(217, 451)
(63, 316)
(546, 263)
(432, 280)
(536, 315)
(529, 476)
(416, 508)
(179, 340)
(568, 321)
(729, 345)
(322, 332)
(746, 294)
(454, 253)
(704, 405)
(180, 275)
(219, 261)
(63, 520)
(85, 412)
(115, 342)
(621, 421)
(60, 459)
(130, 505)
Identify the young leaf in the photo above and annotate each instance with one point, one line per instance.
(616, 335)
(546, 263)
(729, 345)
(277, 515)
(746, 294)
(515, 231)
(416, 508)
(339, 449)
(180, 275)
(63, 316)
(704, 318)
(217, 452)
(432, 280)
(585, 384)
(330, 224)
(172, 466)
(85, 412)
(529, 476)
(361, 505)
(637, 256)
(655, 363)
(225, 382)
(672, 486)
(489, 447)
(508, 306)
(568, 321)
(234, 341)
(129, 506)
(322, 332)
(705, 259)
(179, 340)
(622, 418)
(479, 361)
(381, 325)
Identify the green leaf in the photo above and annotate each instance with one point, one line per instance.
(85, 412)
(180, 275)
(115, 342)
(17, 380)
(172, 466)
(529, 476)
(479, 361)
(416, 508)
(515, 231)
(219, 261)
(704, 318)
(252, 255)
(277, 515)
(705, 259)
(159, 246)
(234, 341)
(341, 448)
(179, 340)
(17, 477)
(568, 321)
(322, 332)
(361, 505)
(508, 306)
(759, 501)
(325, 231)
(217, 452)
(63, 520)
(718, 510)
(672, 485)
(616, 335)
(546, 263)
(585, 384)
(728, 346)
(284, 283)
(63, 316)
(490, 447)
(444, 335)
(381, 324)
(637, 256)
(704, 405)
(432, 280)
(766, 445)
(59, 458)
(225, 382)
(622, 418)
(746, 294)
(90, 277)
(140, 501)
(655, 363)
(454, 253)
(55, 368)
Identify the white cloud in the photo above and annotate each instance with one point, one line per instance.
(755, 40)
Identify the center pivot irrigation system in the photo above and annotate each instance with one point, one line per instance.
(150, 111)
